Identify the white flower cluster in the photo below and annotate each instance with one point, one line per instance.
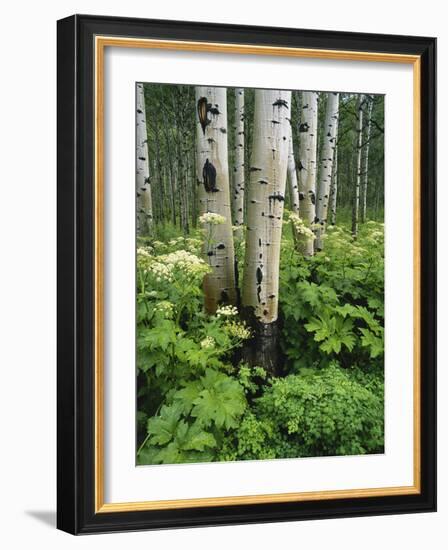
(315, 226)
(160, 271)
(186, 262)
(193, 245)
(238, 330)
(208, 343)
(226, 311)
(143, 252)
(174, 242)
(165, 307)
(337, 232)
(376, 234)
(299, 226)
(159, 244)
(166, 266)
(212, 219)
(356, 250)
(185, 243)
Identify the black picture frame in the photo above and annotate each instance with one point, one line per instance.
(76, 271)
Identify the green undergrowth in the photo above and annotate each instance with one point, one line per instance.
(198, 402)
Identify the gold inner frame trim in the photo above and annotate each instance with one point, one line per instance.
(101, 42)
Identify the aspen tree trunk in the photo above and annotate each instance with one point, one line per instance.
(265, 202)
(214, 195)
(355, 210)
(365, 175)
(307, 164)
(185, 202)
(171, 170)
(143, 185)
(292, 176)
(326, 166)
(158, 167)
(238, 180)
(334, 189)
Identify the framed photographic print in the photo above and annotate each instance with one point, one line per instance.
(246, 274)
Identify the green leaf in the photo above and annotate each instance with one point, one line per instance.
(161, 336)
(309, 293)
(171, 454)
(222, 401)
(163, 427)
(148, 455)
(187, 395)
(375, 343)
(198, 439)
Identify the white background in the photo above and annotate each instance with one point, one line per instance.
(27, 290)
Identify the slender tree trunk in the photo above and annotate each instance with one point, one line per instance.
(194, 187)
(143, 185)
(365, 175)
(292, 176)
(179, 167)
(355, 209)
(159, 171)
(176, 189)
(326, 167)
(307, 164)
(214, 195)
(171, 169)
(186, 202)
(265, 203)
(334, 189)
(238, 173)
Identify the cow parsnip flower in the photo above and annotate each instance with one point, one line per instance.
(226, 311)
(299, 226)
(212, 218)
(166, 308)
(186, 262)
(238, 330)
(208, 343)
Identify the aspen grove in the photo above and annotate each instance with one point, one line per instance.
(260, 273)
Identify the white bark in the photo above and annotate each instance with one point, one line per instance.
(265, 202)
(334, 189)
(143, 185)
(292, 176)
(326, 166)
(355, 209)
(214, 195)
(238, 173)
(307, 162)
(365, 174)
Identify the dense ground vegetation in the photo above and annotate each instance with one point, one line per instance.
(197, 398)
(260, 273)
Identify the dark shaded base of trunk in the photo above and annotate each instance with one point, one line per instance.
(263, 349)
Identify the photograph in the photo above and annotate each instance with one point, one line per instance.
(259, 273)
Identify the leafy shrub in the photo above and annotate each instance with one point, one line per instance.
(198, 402)
(186, 398)
(316, 413)
(337, 298)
